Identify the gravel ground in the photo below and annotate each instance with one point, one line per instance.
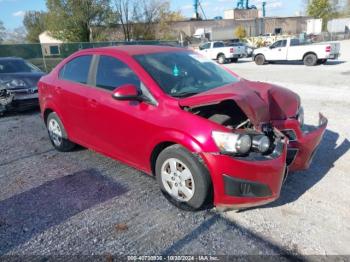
(82, 203)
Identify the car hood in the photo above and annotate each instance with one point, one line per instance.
(261, 102)
(31, 79)
(261, 49)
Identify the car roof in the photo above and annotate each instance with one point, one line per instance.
(136, 49)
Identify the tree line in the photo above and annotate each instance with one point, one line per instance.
(93, 20)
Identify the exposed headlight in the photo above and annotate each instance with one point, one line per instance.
(300, 116)
(15, 83)
(232, 143)
(261, 143)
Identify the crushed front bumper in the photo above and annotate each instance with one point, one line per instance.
(240, 183)
(305, 141)
(19, 101)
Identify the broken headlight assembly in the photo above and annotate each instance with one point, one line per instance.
(14, 83)
(6, 98)
(241, 144)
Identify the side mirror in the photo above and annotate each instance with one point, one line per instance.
(127, 92)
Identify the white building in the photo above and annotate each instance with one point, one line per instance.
(49, 44)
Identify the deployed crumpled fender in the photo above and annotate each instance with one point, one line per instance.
(261, 102)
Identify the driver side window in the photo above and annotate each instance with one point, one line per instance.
(281, 43)
(204, 46)
(112, 73)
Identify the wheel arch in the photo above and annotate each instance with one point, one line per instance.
(220, 54)
(259, 54)
(310, 53)
(168, 140)
(51, 108)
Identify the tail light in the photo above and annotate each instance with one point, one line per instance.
(232, 50)
(328, 49)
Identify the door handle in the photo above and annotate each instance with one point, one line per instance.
(280, 49)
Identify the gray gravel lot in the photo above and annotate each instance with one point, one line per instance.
(79, 202)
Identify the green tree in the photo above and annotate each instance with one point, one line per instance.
(321, 9)
(75, 20)
(153, 18)
(240, 32)
(35, 24)
(2, 32)
(166, 18)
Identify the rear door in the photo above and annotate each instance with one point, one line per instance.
(71, 89)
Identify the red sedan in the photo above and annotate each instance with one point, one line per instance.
(204, 132)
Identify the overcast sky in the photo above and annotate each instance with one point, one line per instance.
(12, 11)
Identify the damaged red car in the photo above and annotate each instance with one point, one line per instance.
(206, 134)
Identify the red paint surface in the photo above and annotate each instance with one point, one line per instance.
(129, 130)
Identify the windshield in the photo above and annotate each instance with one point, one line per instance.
(182, 74)
(17, 66)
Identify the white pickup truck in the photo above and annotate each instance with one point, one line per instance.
(218, 51)
(293, 50)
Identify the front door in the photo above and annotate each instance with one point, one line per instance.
(277, 51)
(120, 128)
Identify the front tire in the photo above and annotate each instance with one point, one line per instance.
(183, 178)
(310, 60)
(260, 60)
(221, 59)
(58, 134)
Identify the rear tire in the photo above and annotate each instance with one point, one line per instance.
(260, 60)
(221, 59)
(310, 60)
(57, 133)
(183, 178)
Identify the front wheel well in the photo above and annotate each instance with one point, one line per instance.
(258, 54)
(155, 153)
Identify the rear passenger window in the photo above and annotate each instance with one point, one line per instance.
(77, 70)
(294, 42)
(218, 45)
(112, 73)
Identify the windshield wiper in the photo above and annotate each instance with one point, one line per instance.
(184, 94)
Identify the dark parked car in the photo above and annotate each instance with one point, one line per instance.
(18, 84)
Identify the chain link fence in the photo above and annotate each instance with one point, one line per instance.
(47, 56)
